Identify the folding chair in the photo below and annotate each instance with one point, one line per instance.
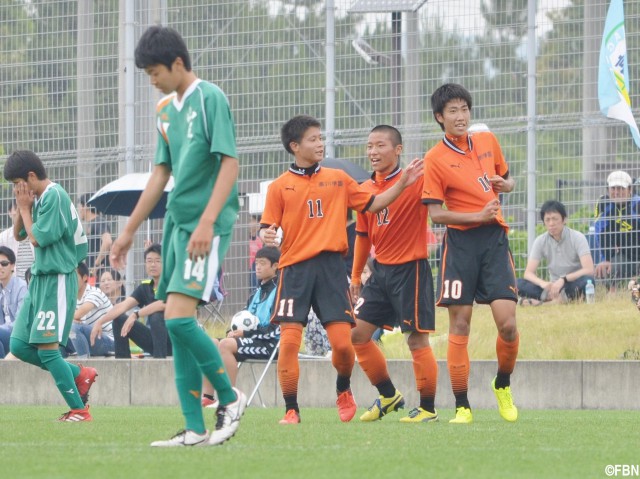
(210, 312)
(258, 381)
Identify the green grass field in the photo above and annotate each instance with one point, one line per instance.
(542, 444)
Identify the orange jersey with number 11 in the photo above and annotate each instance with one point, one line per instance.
(312, 211)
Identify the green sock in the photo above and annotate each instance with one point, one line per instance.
(25, 352)
(188, 383)
(62, 375)
(75, 369)
(206, 354)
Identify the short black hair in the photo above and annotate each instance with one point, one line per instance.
(444, 94)
(294, 129)
(269, 252)
(8, 252)
(20, 163)
(393, 132)
(154, 248)
(160, 45)
(83, 269)
(83, 200)
(552, 206)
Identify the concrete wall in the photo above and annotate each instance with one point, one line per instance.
(535, 384)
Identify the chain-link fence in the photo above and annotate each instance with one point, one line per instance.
(70, 92)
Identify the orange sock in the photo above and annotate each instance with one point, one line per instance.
(458, 363)
(372, 362)
(425, 369)
(342, 354)
(288, 366)
(507, 353)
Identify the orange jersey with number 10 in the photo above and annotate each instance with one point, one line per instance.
(398, 232)
(312, 211)
(460, 179)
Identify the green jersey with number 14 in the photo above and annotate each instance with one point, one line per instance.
(194, 134)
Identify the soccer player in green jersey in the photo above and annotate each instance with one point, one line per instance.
(49, 219)
(196, 143)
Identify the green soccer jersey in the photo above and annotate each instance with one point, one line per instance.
(194, 134)
(62, 243)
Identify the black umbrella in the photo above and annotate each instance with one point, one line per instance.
(354, 171)
(120, 196)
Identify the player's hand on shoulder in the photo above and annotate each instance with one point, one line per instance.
(413, 171)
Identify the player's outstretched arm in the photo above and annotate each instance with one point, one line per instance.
(148, 200)
(410, 175)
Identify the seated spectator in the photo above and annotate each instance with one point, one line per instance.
(23, 250)
(617, 232)
(568, 259)
(110, 282)
(151, 337)
(255, 243)
(12, 293)
(98, 234)
(92, 305)
(258, 344)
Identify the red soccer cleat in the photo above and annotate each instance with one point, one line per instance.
(76, 415)
(346, 406)
(291, 417)
(84, 380)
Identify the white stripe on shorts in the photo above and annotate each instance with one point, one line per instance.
(62, 305)
(212, 270)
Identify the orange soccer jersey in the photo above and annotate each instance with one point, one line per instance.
(312, 211)
(398, 232)
(459, 178)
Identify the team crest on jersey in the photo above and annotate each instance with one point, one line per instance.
(327, 184)
(191, 115)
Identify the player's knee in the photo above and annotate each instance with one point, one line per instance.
(417, 340)
(226, 345)
(508, 330)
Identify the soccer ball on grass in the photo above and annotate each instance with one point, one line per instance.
(244, 321)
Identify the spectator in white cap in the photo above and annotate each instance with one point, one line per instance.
(617, 231)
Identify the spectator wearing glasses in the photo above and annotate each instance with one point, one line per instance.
(151, 334)
(12, 293)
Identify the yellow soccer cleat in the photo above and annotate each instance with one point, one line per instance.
(463, 416)
(507, 409)
(383, 406)
(420, 415)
